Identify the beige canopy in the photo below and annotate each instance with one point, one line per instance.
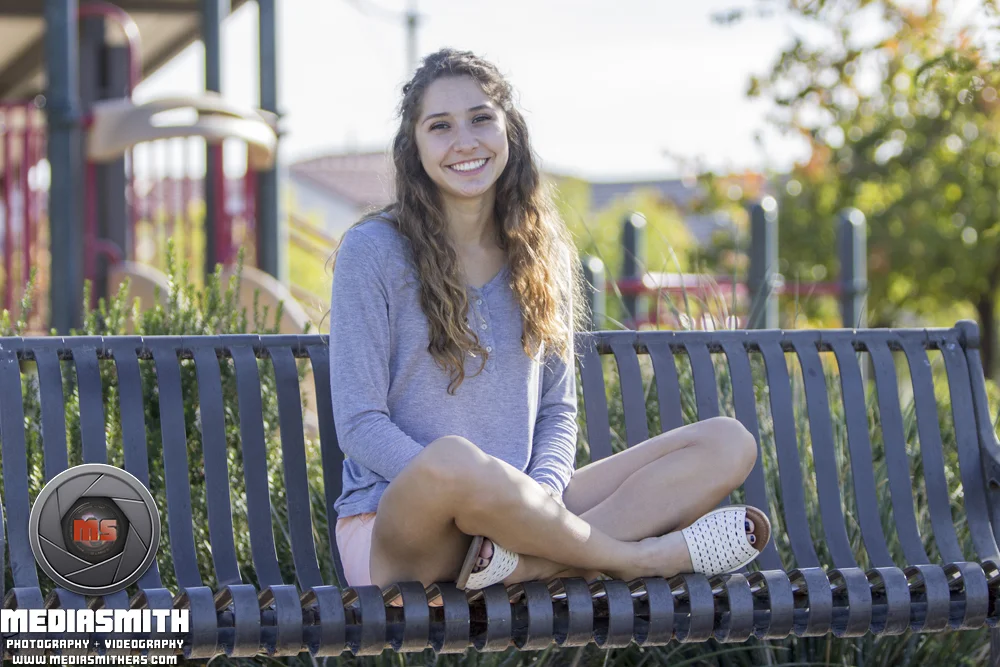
(120, 124)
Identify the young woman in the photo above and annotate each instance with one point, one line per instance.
(454, 393)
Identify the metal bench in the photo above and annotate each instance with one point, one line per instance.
(810, 581)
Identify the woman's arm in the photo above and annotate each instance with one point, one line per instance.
(553, 454)
(359, 361)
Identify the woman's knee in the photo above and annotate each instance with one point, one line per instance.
(451, 463)
(734, 442)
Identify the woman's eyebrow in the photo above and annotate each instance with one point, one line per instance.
(443, 114)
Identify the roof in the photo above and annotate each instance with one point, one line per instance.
(166, 27)
(362, 179)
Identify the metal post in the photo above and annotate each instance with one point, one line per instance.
(593, 274)
(111, 177)
(763, 275)
(65, 156)
(212, 14)
(633, 260)
(271, 244)
(853, 251)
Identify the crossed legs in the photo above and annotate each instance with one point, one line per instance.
(622, 514)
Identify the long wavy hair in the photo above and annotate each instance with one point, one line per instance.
(544, 269)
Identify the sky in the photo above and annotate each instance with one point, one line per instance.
(610, 90)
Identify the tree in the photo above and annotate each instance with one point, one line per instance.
(903, 126)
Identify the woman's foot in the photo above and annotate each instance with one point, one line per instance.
(663, 556)
(669, 554)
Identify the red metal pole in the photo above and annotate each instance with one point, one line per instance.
(25, 200)
(250, 214)
(8, 217)
(223, 235)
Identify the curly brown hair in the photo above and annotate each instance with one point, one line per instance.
(542, 262)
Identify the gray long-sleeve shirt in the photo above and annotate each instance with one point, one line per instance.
(390, 397)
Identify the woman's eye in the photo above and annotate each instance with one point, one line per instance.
(482, 117)
(437, 126)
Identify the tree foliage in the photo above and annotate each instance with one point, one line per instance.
(898, 104)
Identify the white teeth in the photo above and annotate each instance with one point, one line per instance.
(469, 166)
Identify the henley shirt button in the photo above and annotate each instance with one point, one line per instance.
(479, 302)
(483, 326)
(489, 348)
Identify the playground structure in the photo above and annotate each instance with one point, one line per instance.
(93, 183)
(758, 296)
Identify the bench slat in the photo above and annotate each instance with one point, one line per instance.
(632, 393)
(88, 379)
(265, 560)
(214, 446)
(793, 499)
(15, 469)
(293, 449)
(333, 458)
(53, 404)
(860, 446)
(932, 451)
(595, 403)
(668, 391)
(824, 455)
(175, 465)
(896, 459)
(706, 388)
(745, 404)
(133, 425)
(970, 462)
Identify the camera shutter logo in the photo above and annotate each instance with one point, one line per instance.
(94, 529)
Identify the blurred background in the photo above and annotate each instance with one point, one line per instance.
(727, 163)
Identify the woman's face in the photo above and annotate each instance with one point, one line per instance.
(461, 137)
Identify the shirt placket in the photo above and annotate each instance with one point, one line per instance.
(484, 327)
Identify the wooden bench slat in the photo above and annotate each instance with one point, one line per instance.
(265, 560)
(896, 459)
(632, 394)
(217, 485)
(793, 499)
(175, 464)
(293, 449)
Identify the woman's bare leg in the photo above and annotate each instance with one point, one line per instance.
(424, 536)
(453, 490)
(658, 486)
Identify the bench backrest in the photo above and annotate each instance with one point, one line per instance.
(841, 428)
(221, 457)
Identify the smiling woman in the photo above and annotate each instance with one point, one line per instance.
(471, 266)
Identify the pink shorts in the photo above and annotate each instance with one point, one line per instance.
(354, 540)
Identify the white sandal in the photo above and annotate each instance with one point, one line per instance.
(501, 566)
(718, 541)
